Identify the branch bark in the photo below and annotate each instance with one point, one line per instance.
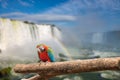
(48, 70)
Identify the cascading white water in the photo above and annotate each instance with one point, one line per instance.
(19, 39)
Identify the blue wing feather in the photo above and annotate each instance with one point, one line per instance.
(50, 54)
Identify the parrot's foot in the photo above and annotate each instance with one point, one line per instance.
(39, 61)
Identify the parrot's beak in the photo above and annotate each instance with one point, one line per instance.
(39, 50)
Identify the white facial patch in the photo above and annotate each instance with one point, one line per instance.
(38, 50)
(42, 48)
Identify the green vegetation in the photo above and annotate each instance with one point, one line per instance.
(5, 73)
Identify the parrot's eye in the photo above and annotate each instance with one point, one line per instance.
(42, 48)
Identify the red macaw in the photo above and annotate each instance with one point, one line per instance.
(45, 53)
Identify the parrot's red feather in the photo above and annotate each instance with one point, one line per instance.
(44, 57)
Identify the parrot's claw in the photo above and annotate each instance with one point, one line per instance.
(39, 61)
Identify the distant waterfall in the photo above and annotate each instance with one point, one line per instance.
(19, 39)
(97, 38)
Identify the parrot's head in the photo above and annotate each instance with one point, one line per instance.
(42, 48)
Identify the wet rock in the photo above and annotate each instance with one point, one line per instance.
(113, 75)
(62, 55)
(77, 78)
(67, 79)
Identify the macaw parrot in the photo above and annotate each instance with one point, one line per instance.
(45, 53)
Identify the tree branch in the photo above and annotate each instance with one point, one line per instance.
(48, 70)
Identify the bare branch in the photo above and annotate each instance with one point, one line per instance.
(59, 68)
(36, 77)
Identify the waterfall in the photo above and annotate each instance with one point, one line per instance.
(97, 38)
(18, 39)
